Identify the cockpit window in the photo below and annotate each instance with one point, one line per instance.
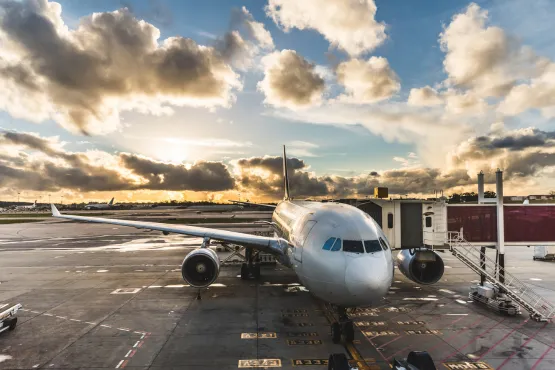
(353, 246)
(384, 244)
(372, 246)
(328, 244)
(337, 246)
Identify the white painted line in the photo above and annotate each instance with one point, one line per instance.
(62, 317)
(136, 344)
(461, 301)
(446, 291)
(90, 323)
(119, 364)
(142, 336)
(75, 320)
(48, 314)
(123, 329)
(106, 326)
(447, 267)
(101, 270)
(4, 305)
(127, 354)
(420, 299)
(137, 332)
(455, 314)
(535, 279)
(176, 286)
(155, 286)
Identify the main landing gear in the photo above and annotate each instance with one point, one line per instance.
(342, 328)
(251, 269)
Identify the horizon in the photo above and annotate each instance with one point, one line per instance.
(147, 101)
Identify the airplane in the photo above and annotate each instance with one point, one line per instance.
(338, 252)
(22, 208)
(100, 205)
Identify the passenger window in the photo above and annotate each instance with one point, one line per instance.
(429, 221)
(328, 244)
(390, 220)
(337, 246)
(384, 244)
(372, 246)
(353, 246)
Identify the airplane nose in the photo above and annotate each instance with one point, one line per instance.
(367, 277)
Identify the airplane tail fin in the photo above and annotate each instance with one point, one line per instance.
(111, 202)
(285, 176)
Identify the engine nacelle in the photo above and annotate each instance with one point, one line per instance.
(421, 265)
(201, 267)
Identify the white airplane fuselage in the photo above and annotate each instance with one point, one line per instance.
(325, 238)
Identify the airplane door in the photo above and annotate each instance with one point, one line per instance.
(302, 238)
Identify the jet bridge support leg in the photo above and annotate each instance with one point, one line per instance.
(251, 268)
(482, 265)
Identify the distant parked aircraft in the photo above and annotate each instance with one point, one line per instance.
(29, 207)
(100, 205)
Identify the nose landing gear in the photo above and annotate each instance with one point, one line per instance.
(342, 328)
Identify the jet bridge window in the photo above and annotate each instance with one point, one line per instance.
(429, 221)
(372, 246)
(353, 246)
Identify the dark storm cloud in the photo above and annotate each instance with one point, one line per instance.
(110, 55)
(272, 164)
(202, 176)
(77, 171)
(517, 141)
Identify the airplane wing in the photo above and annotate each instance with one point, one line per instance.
(275, 246)
(253, 204)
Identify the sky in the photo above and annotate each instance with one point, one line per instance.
(158, 100)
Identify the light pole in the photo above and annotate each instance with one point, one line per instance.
(49, 199)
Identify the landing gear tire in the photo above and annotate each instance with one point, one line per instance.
(336, 332)
(12, 323)
(244, 271)
(256, 271)
(338, 361)
(348, 331)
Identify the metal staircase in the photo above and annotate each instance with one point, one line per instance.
(538, 307)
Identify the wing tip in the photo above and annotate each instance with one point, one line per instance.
(55, 211)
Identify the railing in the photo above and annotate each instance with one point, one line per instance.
(539, 308)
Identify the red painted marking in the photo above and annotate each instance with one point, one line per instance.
(472, 340)
(140, 344)
(542, 356)
(123, 364)
(446, 340)
(393, 340)
(523, 344)
(132, 353)
(376, 348)
(502, 339)
(405, 348)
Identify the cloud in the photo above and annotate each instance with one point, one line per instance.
(301, 148)
(290, 81)
(347, 24)
(483, 58)
(112, 62)
(255, 30)
(367, 81)
(539, 94)
(424, 97)
(47, 166)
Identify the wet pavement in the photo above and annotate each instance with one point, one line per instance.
(98, 296)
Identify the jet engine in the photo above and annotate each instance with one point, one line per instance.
(200, 268)
(421, 265)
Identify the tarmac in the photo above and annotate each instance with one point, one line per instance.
(100, 297)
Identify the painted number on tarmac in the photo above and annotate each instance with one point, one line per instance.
(463, 365)
(363, 314)
(267, 362)
(310, 362)
(303, 342)
(258, 335)
(379, 333)
(397, 309)
(370, 323)
(417, 332)
(302, 334)
(410, 323)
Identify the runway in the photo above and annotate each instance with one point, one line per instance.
(98, 297)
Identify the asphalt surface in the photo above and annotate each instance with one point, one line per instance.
(99, 296)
